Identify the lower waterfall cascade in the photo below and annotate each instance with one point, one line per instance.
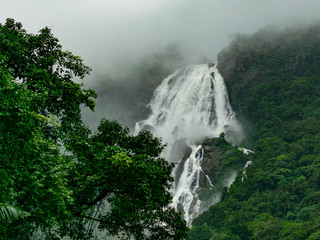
(190, 105)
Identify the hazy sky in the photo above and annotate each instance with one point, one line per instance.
(107, 32)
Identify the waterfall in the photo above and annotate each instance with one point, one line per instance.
(190, 105)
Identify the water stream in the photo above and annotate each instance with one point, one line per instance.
(190, 105)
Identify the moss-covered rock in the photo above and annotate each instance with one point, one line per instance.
(220, 164)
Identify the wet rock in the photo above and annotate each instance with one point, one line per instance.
(202, 179)
(193, 204)
(180, 208)
(148, 128)
(216, 166)
(180, 151)
(210, 64)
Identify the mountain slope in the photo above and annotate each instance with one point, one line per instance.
(273, 78)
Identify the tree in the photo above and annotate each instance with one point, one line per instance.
(31, 167)
(125, 178)
(69, 181)
(201, 232)
(39, 62)
(265, 227)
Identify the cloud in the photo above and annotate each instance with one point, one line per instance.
(106, 32)
(115, 37)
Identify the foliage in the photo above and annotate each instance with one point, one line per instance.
(274, 84)
(68, 181)
(9, 213)
(32, 169)
(125, 172)
(220, 161)
(39, 62)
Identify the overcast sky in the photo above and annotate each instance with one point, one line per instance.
(108, 32)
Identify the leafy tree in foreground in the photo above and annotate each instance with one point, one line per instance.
(39, 62)
(32, 170)
(126, 171)
(62, 180)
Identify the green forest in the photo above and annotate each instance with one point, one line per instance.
(273, 79)
(57, 179)
(60, 180)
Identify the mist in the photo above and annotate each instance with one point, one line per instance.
(126, 91)
(126, 42)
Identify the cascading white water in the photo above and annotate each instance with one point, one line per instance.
(190, 105)
(188, 184)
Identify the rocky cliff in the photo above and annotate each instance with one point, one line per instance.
(220, 164)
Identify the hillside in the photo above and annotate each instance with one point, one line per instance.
(273, 78)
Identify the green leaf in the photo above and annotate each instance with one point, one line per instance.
(9, 212)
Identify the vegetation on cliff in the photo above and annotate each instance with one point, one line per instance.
(273, 78)
(56, 178)
(221, 163)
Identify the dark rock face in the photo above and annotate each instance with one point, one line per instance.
(180, 151)
(229, 64)
(220, 161)
(180, 208)
(148, 128)
(210, 163)
(193, 204)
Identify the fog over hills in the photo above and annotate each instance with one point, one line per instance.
(116, 37)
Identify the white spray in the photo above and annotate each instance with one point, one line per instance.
(190, 105)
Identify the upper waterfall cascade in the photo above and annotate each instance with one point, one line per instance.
(190, 105)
